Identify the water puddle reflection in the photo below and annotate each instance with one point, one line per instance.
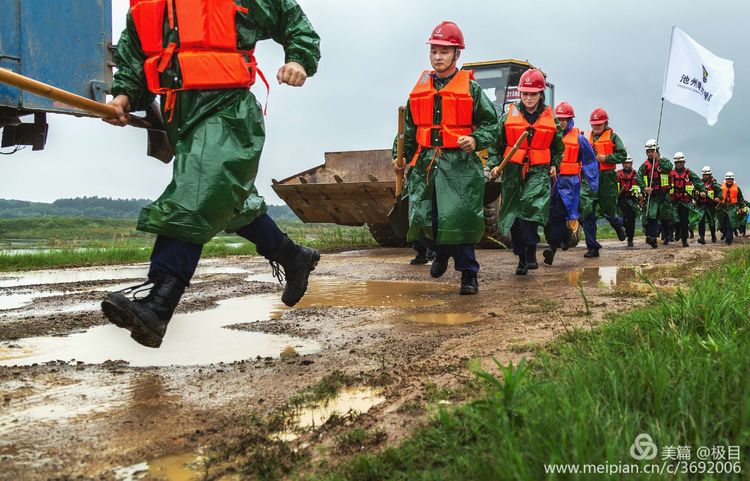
(196, 338)
(352, 400)
(444, 318)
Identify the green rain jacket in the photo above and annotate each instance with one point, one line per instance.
(708, 206)
(605, 199)
(217, 135)
(660, 206)
(694, 211)
(528, 198)
(628, 202)
(455, 176)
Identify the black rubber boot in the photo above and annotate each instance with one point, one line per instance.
(469, 284)
(146, 317)
(685, 243)
(701, 240)
(531, 262)
(297, 262)
(522, 268)
(621, 234)
(713, 237)
(652, 242)
(630, 242)
(438, 267)
(431, 255)
(591, 253)
(549, 255)
(419, 260)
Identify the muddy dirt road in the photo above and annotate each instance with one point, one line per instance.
(80, 400)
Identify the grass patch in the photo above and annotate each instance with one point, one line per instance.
(54, 242)
(676, 370)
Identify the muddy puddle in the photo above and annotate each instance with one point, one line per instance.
(349, 401)
(444, 318)
(178, 467)
(64, 276)
(325, 292)
(196, 338)
(605, 276)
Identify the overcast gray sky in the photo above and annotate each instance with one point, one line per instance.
(609, 54)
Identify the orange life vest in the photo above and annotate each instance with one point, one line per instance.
(544, 129)
(207, 53)
(603, 146)
(457, 107)
(626, 181)
(570, 164)
(734, 193)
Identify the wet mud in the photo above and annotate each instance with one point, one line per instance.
(79, 399)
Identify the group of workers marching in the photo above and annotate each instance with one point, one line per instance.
(552, 175)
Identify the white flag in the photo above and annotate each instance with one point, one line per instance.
(696, 78)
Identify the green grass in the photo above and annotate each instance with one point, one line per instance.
(77, 242)
(677, 370)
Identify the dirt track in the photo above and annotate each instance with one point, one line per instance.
(83, 411)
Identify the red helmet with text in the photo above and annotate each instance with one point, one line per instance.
(447, 34)
(564, 111)
(599, 116)
(532, 80)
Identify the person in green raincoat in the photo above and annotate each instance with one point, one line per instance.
(685, 186)
(215, 125)
(653, 181)
(448, 119)
(730, 211)
(628, 198)
(526, 189)
(708, 205)
(610, 151)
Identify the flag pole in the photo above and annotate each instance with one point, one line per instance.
(661, 114)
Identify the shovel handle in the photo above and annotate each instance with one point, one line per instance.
(507, 158)
(400, 150)
(63, 96)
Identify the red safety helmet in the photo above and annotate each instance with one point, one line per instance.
(564, 111)
(532, 80)
(599, 116)
(447, 34)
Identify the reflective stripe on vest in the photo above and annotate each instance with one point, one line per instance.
(603, 146)
(626, 181)
(734, 193)
(659, 181)
(570, 164)
(682, 187)
(538, 152)
(207, 54)
(457, 107)
(710, 194)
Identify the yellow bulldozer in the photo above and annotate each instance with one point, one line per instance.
(358, 187)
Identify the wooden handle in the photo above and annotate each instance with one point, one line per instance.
(507, 158)
(400, 151)
(63, 96)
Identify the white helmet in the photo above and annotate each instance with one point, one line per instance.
(628, 159)
(707, 170)
(679, 157)
(730, 175)
(651, 144)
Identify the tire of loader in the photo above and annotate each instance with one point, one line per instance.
(491, 229)
(384, 235)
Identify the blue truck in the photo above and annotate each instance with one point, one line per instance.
(64, 43)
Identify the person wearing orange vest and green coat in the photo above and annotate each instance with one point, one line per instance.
(578, 165)
(525, 183)
(729, 210)
(448, 119)
(198, 56)
(685, 186)
(610, 151)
